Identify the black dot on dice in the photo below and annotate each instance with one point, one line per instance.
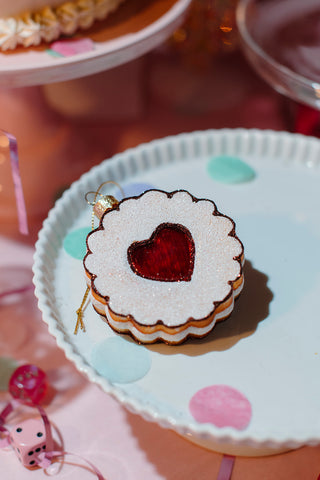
(39, 434)
(44, 447)
(32, 462)
(19, 430)
(38, 449)
(30, 453)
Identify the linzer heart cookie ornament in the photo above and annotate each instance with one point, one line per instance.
(164, 266)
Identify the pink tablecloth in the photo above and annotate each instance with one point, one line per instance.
(91, 423)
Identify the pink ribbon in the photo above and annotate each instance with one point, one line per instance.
(5, 440)
(6, 411)
(45, 458)
(16, 291)
(14, 159)
(226, 467)
(47, 427)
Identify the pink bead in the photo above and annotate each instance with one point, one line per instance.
(29, 384)
(28, 440)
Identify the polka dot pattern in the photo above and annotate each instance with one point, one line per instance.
(134, 189)
(221, 405)
(120, 361)
(227, 169)
(71, 47)
(75, 242)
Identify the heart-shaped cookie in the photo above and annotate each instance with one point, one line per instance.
(167, 256)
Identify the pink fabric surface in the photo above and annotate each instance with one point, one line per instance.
(59, 148)
(92, 424)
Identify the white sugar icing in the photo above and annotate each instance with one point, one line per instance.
(27, 23)
(9, 37)
(29, 32)
(216, 263)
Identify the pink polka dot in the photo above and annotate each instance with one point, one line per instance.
(222, 406)
(68, 48)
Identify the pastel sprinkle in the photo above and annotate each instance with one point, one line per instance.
(52, 53)
(228, 169)
(120, 361)
(68, 48)
(221, 405)
(75, 242)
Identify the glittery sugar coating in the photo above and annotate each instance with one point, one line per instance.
(175, 306)
(217, 261)
(167, 256)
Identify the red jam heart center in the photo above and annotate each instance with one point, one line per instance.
(167, 256)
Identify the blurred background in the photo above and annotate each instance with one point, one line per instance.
(197, 79)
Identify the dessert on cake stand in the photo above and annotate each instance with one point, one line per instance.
(269, 401)
(134, 29)
(71, 80)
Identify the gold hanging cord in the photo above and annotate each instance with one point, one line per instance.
(106, 202)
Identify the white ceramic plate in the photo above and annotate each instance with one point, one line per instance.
(269, 349)
(34, 66)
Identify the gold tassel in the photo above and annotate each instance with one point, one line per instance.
(80, 313)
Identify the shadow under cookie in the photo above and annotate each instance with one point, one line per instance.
(250, 309)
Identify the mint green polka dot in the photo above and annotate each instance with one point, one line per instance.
(227, 169)
(121, 361)
(75, 243)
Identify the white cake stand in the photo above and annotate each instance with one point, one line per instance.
(127, 34)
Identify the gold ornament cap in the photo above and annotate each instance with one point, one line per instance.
(106, 202)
